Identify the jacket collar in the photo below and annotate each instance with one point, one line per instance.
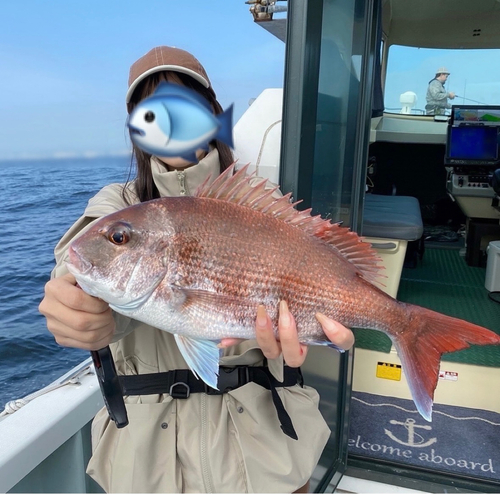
(170, 183)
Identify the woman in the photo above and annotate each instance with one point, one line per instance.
(205, 443)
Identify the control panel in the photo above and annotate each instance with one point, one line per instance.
(470, 184)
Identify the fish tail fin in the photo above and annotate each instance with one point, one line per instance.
(225, 133)
(421, 344)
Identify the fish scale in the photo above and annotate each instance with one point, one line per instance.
(260, 282)
(198, 267)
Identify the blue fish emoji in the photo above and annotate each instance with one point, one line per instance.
(175, 121)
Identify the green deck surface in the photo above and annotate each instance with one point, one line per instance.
(444, 282)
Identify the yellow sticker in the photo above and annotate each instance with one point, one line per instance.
(385, 370)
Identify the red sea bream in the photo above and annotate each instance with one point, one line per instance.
(198, 267)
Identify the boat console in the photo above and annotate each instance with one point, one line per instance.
(472, 156)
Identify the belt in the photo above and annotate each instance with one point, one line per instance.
(181, 383)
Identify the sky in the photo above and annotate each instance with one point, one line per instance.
(64, 66)
(474, 74)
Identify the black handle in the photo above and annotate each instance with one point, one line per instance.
(110, 386)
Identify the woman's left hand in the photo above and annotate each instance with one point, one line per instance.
(294, 352)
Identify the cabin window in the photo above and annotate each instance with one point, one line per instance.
(474, 77)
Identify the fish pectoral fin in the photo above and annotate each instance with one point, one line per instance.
(210, 301)
(202, 356)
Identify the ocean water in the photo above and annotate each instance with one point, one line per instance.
(40, 200)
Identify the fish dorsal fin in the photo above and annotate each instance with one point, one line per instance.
(240, 188)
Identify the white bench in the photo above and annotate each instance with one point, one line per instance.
(389, 223)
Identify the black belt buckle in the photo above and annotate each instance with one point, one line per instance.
(229, 378)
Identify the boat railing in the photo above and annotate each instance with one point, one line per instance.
(45, 444)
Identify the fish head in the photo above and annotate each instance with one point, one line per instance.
(120, 259)
(150, 126)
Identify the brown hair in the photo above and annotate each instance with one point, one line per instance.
(145, 187)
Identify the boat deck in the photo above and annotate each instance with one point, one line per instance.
(442, 281)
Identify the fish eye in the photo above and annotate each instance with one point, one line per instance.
(149, 116)
(119, 234)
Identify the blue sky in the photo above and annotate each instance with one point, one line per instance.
(64, 66)
(475, 74)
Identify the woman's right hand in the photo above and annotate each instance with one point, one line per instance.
(75, 318)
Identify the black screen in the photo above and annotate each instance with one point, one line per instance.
(472, 143)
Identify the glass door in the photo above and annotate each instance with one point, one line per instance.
(329, 65)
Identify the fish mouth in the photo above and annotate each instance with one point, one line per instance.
(136, 131)
(77, 264)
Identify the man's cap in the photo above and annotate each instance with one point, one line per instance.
(165, 58)
(442, 70)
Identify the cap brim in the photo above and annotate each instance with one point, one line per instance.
(160, 68)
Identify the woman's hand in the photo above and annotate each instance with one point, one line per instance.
(294, 352)
(75, 318)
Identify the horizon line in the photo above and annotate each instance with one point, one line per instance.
(67, 155)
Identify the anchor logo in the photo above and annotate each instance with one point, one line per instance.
(414, 439)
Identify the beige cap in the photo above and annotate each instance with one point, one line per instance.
(442, 70)
(165, 58)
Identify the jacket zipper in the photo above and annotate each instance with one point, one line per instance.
(181, 176)
(205, 462)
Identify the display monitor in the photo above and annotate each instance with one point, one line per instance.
(472, 145)
(480, 114)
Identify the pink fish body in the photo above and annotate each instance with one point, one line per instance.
(198, 267)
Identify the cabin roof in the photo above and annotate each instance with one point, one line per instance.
(463, 24)
(442, 23)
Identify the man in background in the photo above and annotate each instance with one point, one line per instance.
(437, 96)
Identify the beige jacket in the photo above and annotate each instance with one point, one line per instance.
(228, 443)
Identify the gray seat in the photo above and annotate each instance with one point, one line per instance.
(396, 217)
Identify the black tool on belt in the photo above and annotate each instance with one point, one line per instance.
(110, 385)
(181, 383)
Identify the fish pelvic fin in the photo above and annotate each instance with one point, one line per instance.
(326, 343)
(421, 344)
(240, 188)
(225, 132)
(202, 356)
